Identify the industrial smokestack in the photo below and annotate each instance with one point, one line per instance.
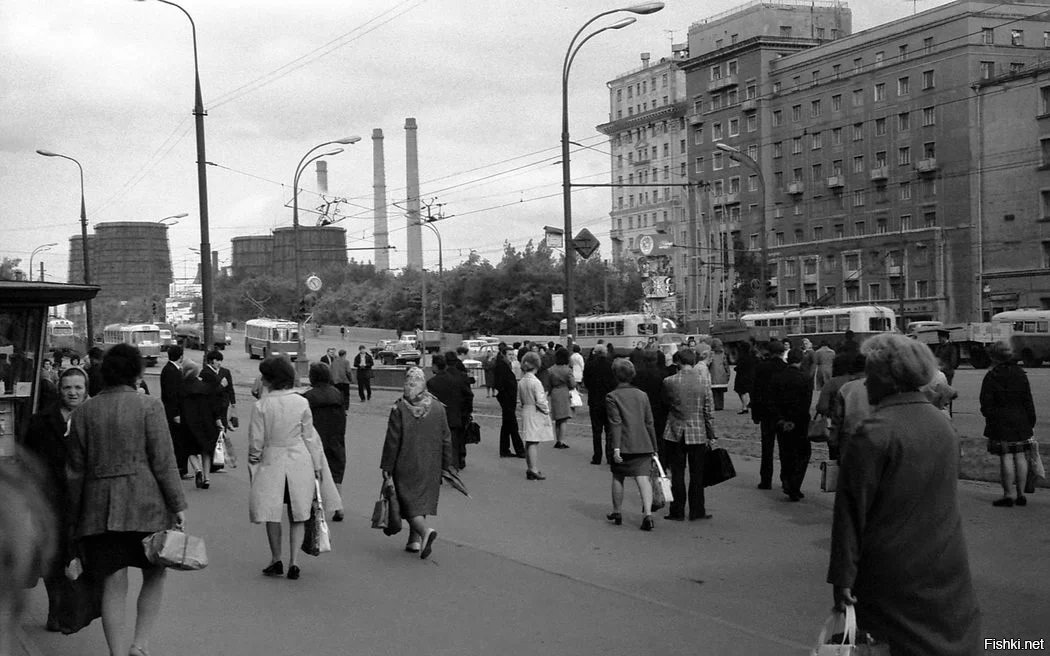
(322, 177)
(380, 231)
(415, 230)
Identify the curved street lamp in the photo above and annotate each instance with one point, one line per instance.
(83, 243)
(570, 55)
(38, 249)
(207, 306)
(172, 218)
(763, 241)
(429, 223)
(307, 159)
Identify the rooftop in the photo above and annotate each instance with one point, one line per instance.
(824, 4)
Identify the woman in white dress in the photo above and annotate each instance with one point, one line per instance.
(535, 415)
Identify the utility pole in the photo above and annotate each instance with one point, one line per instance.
(428, 222)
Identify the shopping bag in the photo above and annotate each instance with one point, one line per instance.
(849, 641)
(316, 539)
(79, 602)
(718, 467)
(818, 429)
(661, 485)
(218, 459)
(386, 514)
(829, 476)
(176, 550)
(381, 513)
(472, 433)
(575, 400)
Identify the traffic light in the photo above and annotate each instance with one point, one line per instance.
(154, 307)
(304, 309)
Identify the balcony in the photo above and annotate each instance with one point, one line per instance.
(774, 281)
(928, 165)
(893, 270)
(722, 83)
(731, 198)
(642, 161)
(850, 275)
(749, 105)
(880, 173)
(836, 181)
(795, 188)
(696, 118)
(810, 278)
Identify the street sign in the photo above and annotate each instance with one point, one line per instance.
(557, 303)
(585, 243)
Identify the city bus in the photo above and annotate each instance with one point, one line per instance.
(821, 324)
(622, 331)
(60, 338)
(1029, 333)
(266, 337)
(144, 336)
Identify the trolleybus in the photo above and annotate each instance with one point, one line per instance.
(1029, 333)
(824, 323)
(266, 337)
(144, 336)
(622, 331)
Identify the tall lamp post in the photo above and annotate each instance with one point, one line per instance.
(566, 183)
(207, 305)
(303, 163)
(83, 244)
(38, 249)
(429, 223)
(763, 237)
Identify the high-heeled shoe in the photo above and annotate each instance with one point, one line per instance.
(275, 569)
(615, 518)
(534, 476)
(647, 523)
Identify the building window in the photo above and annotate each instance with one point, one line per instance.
(858, 201)
(880, 92)
(987, 36)
(922, 288)
(734, 185)
(836, 167)
(1045, 196)
(929, 188)
(836, 102)
(1046, 39)
(905, 191)
(778, 149)
(752, 151)
(752, 183)
(879, 56)
(836, 69)
(779, 239)
(716, 131)
(814, 108)
(716, 72)
(874, 291)
(1044, 148)
(818, 233)
(927, 45)
(880, 159)
(902, 52)
(929, 219)
(927, 79)
(751, 92)
(776, 88)
(929, 150)
(857, 65)
(799, 238)
(858, 164)
(752, 122)
(699, 167)
(905, 222)
(716, 160)
(796, 145)
(796, 113)
(814, 77)
(1044, 93)
(785, 30)
(836, 137)
(929, 116)
(903, 122)
(792, 297)
(817, 139)
(818, 174)
(858, 97)
(698, 137)
(903, 86)
(904, 156)
(752, 242)
(1017, 37)
(880, 226)
(681, 147)
(858, 131)
(734, 127)
(820, 33)
(839, 231)
(987, 70)
(1046, 254)
(880, 127)
(778, 117)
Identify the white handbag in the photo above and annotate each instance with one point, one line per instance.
(218, 459)
(665, 482)
(849, 645)
(575, 400)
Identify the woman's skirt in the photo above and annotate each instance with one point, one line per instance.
(634, 464)
(109, 552)
(1003, 447)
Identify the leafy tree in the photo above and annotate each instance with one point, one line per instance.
(8, 266)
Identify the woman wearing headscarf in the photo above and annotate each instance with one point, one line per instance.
(898, 553)
(1006, 403)
(123, 485)
(286, 457)
(47, 439)
(329, 415)
(561, 382)
(418, 447)
(202, 414)
(535, 415)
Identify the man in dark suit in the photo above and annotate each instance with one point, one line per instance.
(329, 356)
(451, 388)
(364, 362)
(94, 371)
(599, 380)
(689, 434)
(220, 380)
(793, 393)
(507, 395)
(170, 396)
(764, 409)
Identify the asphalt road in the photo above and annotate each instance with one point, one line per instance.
(526, 567)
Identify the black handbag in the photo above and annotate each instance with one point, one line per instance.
(718, 467)
(472, 433)
(80, 602)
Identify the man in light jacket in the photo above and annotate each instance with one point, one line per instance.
(689, 434)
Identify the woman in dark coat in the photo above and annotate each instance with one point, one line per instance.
(201, 417)
(47, 439)
(1006, 403)
(418, 447)
(898, 553)
(561, 382)
(326, 405)
(745, 374)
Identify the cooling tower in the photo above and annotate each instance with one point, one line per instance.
(76, 260)
(414, 229)
(320, 247)
(252, 256)
(380, 231)
(131, 259)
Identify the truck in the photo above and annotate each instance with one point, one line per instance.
(971, 340)
(191, 336)
(427, 341)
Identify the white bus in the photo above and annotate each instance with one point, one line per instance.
(1029, 332)
(824, 323)
(622, 331)
(266, 337)
(60, 337)
(144, 336)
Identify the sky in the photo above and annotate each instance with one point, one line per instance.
(110, 83)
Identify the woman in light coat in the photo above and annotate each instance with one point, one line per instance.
(718, 365)
(285, 455)
(535, 415)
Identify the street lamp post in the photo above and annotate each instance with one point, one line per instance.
(207, 306)
(763, 237)
(429, 223)
(38, 249)
(83, 244)
(570, 55)
(303, 163)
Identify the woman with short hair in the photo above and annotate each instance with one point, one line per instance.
(562, 382)
(123, 486)
(285, 455)
(632, 441)
(535, 415)
(898, 553)
(1009, 413)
